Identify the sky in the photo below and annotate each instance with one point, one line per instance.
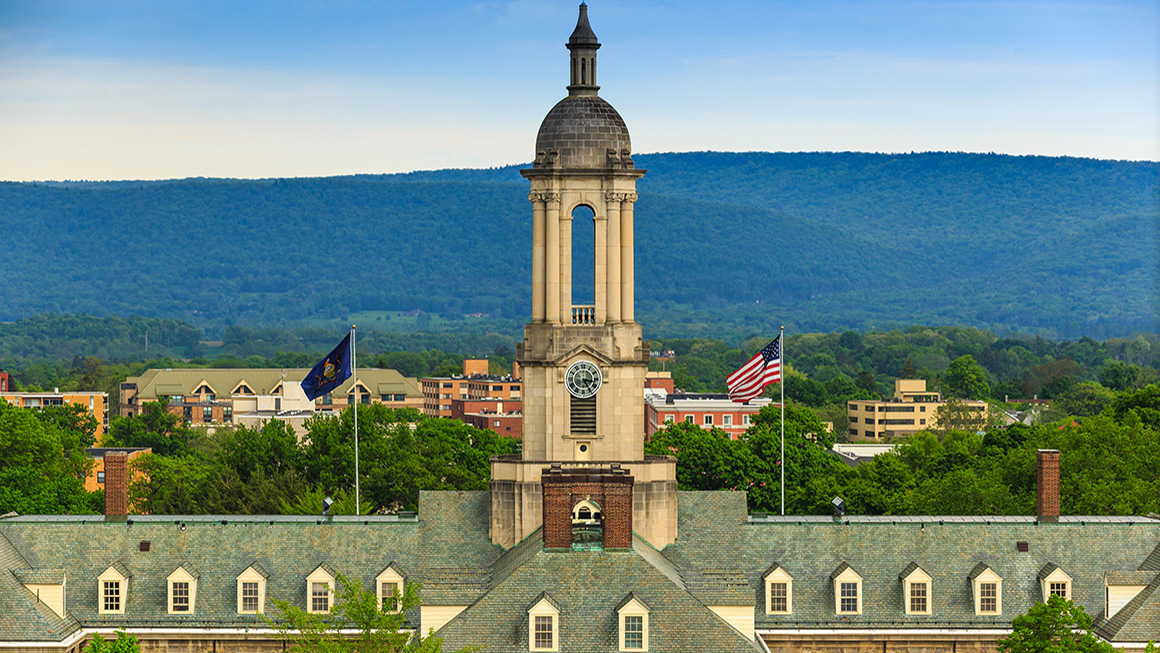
(156, 89)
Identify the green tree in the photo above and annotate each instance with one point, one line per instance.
(957, 415)
(1058, 626)
(965, 379)
(867, 381)
(908, 370)
(1085, 399)
(376, 629)
(125, 643)
(707, 459)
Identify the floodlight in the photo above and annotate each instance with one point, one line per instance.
(326, 504)
(839, 506)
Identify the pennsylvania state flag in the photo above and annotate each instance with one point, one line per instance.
(330, 372)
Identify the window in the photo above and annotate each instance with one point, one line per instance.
(100, 477)
(727, 420)
(182, 589)
(634, 632)
(1058, 589)
(228, 414)
(249, 596)
(853, 431)
(207, 413)
(113, 585)
(545, 632)
(1055, 582)
(400, 397)
(495, 423)
(319, 586)
(778, 591)
(633, 624)
(847, 590)
(327, 399)
(390, 584)
(849, 601)
(543, 625)
(918, 597)
(668, 419)
(688, 419)
(708, 420)
(745, 419)
(989, 598)
(251, 590)
(180, 596)
(916, 587)
(319, 597)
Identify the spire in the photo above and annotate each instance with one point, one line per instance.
(583, 46)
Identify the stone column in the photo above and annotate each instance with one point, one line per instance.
(612, 280)
(537, 200)
(552, 263)
(566, 267)
(627, 275)
(600, 266)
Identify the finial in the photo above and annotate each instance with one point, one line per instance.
(583, 34)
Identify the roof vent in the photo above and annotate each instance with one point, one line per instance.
(144, 546)
(1022, 547)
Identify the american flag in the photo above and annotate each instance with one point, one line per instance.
(761, 370)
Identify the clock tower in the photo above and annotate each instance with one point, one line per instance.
(582, 363)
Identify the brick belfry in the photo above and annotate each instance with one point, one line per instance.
(583, 366)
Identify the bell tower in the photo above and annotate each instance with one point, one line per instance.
(582, 363)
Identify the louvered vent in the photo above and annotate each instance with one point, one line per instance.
(584, 416)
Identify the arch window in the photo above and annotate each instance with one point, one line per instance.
(583, 255)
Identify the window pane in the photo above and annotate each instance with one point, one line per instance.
(249, 596)
(1058, 589)
(543, 635)
(988, 597)
(778, 597)
(320, 597)
(180, 596)
(390, 596)
(633, 632)
(918, 597)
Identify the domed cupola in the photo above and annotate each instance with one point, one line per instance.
(583, 131)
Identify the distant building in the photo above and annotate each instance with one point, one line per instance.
(659, 381)
(5, 381)
(704, 410)
(95, 480)
(510, 424)
(912, 409)
(215, 397)
(95, 403)
(474, 383)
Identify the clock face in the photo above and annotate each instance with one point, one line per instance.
(582, 379)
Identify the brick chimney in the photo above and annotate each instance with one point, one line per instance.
(610, 488)
(1047, 485)
(116, 484)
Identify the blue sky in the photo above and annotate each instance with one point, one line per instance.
(96, 89)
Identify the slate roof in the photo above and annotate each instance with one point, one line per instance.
(720, 558)
(156, 382)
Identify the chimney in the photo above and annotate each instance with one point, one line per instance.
(1047, 485)
(516, 370)
(610, 489)
(116, 484)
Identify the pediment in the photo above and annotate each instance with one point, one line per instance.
(582, 352)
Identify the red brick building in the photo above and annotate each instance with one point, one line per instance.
(705, 410)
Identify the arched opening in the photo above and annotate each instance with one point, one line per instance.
(587, 529)
(583, 71)
(583, 256)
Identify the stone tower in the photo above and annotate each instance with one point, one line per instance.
(582, 365)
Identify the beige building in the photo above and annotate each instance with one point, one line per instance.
(913, 408)
(94, 403)
(476, 383)
(215, 397)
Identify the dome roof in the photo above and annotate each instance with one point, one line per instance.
(581, 129)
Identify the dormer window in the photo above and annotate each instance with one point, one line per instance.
(916, 590)
(847, 590)
(182, 586)
(778, 590)
(1053, 581)
(113, 585)
(988, 590)
(390, 589)
(320, 589)
(544, 625)
(252, 589)
(633, 615)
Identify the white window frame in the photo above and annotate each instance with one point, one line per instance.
(847, 576)
(778, 575)
(543, 608)
(1057, 576)
(707, 419)
(111, 575)
(746, 420)
(726, 420)
(633, 608)
(319, 575)
(180, 575)
(251, 575)
(390, 577)
(988, 576)
(689, 419)
(917, 577)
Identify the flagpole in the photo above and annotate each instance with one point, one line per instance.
(354, 372)
(782, 384)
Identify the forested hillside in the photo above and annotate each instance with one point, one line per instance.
(728, 245)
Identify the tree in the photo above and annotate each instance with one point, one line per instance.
(707, 459)
(1058, 626)
(377, 629)
(908, 371)
(957, 415)
(867, 382)
(965, 379)
(125, 643)
(1085, 399)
